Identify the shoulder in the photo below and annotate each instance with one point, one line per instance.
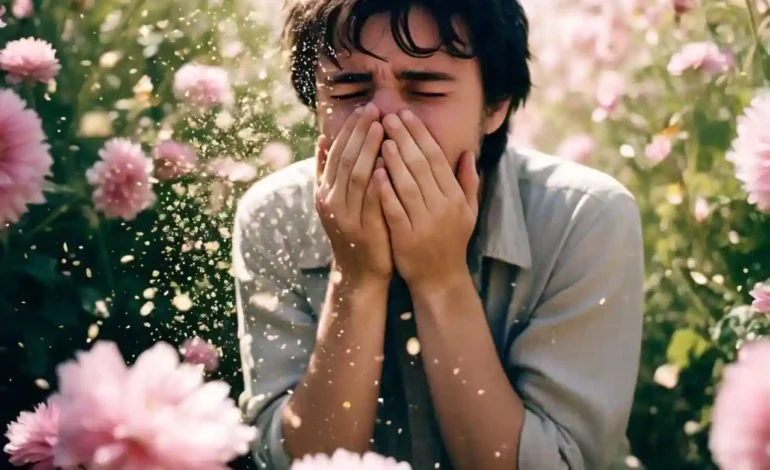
(563, 200)
(285, 196)
(558, 178)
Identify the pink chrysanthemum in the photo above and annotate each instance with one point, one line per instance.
(761, 296)
(578, 148)
(750, 151)
(232, 170)
(121, 180)
(173, 159)
(29, 59)
(156, 414)
(704, 56)
(205, 86)
(25, 160)
(346, 460)
(740, 432)
(197, 351)
(32, 437)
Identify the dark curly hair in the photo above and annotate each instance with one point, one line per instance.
(497, 32)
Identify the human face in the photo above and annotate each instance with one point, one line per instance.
(445, 92)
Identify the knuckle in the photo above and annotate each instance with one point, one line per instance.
(347, 160)
(358, 180)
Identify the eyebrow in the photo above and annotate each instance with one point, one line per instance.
(405, 75)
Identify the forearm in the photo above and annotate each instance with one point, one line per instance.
(335, 405)
(479, 413)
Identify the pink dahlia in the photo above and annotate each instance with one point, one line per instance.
(704, 56)
(24, 158)
(578, 148)
(156, 414)
(22, 8)
(346, 460)
(121, 180)
(740, 432)
(761, 295)
(276, 155)
(197, 351)
(750, 151)
(30, 59)
(32, 437)
(173, 159)
(205, 86)
(232, 170)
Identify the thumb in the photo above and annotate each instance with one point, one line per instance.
(469, 179)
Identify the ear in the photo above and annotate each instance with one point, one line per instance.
(495, 116)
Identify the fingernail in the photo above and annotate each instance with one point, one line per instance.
(359, 110)
(370, 107)
(407, 115)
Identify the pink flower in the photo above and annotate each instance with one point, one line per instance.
(32, 437)
(658, 149)
(741, 416)
(761, 295)
(276, 155)
(701, 209)
(750, 151)
(346, 460)
(2, 12)
(205, 86)
(157, 414)
(173, 159)
(682, 6)
(25, 160)
(578, 148)
(29, 58)
(121, 180)
(22, 8)
(704, 56)
(232, 170)
(197, 351)
(609, 90)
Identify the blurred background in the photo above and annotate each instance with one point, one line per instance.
(651, 92)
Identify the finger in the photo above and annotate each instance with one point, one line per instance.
(392, 209)
(405, 186)
(372, 207)
(364, 166)
(436, 157)
(321, 156)
(353, 147)
(338, 145)
(469, 180)
(415, 161)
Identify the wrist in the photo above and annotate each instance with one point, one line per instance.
(443, 289)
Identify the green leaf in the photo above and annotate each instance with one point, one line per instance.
(36, 358)
(685, 345)
(88, 298)
(60, 310)
(41, 268)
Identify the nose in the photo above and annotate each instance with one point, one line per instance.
(388, 101)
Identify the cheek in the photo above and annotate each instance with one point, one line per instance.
(331, 118)
(451, 134)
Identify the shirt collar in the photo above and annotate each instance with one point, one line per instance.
(503, 232)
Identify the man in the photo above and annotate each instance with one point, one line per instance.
(419, 289)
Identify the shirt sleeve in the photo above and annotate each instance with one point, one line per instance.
(575, 363)
(275, 327)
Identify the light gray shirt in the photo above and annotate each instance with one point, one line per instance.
(563, 299)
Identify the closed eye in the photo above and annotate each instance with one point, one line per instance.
(429, 95)
(348, 96)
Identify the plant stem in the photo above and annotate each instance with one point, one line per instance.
(48, 220)
(753, 20)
